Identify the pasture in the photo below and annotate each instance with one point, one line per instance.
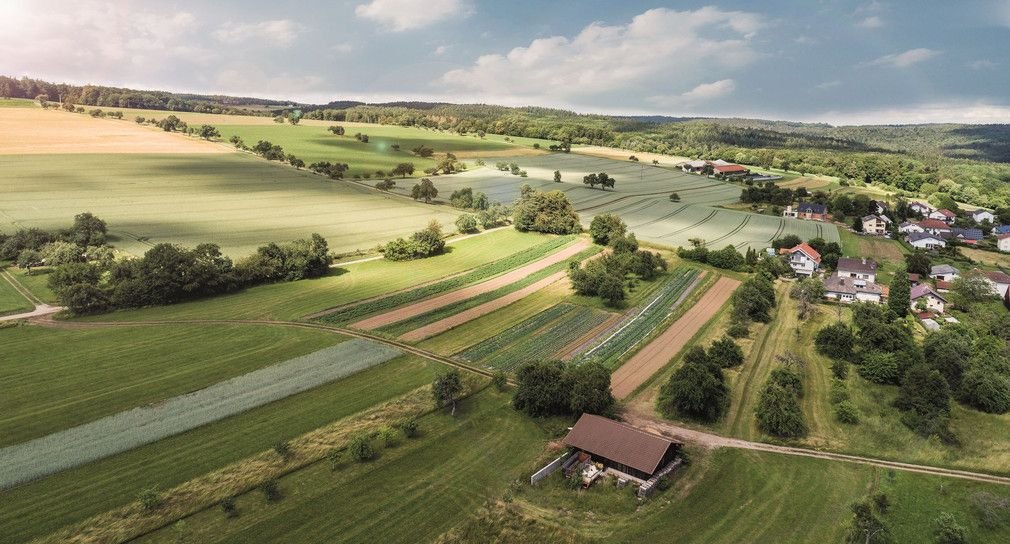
(11, 300)
(37, 283)
(74, 495)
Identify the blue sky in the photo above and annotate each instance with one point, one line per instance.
(833, 61)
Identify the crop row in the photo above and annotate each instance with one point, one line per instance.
(525, 328)
(645, 320)
(144, 425)
(419, 321)
(481, 273)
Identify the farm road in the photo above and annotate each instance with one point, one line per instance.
(41, 308)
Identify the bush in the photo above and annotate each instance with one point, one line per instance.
(836, 341)
(409, 428)
(84, 299)
(271, 491)
(839, 392)
(696, 390)
(466, 223)
(283, 450)
(389, 436)
(946, 530)
(361, 449)
(726, 353)
(986, 390)
(607, 227)
(846, 412)
(840, 369)
(738, 329)
(549, 212)
(229, 507)
(334, 456)
(149, 498)
(423, 243)
(879, 367)
(499, 380)
(779, 413)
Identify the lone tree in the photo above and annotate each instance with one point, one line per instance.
(447, 389)
(403, 169)
(557, 176)
(901, 293)
(425, 189)
(208, 132)
(336, 130)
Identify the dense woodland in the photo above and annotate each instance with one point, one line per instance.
(966, 162)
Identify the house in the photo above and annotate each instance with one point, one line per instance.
(944, 215)
(621, 448)
(848, 289)
(981, 215)
(920, 208)
(1002, 229)
(807, 210)
(908, 227)
(875, 225)
(925, 240)
(1003, 242)
(944, 272)
(804, 260)
(1000, 282)
(914, 279)
(730, 170)
(942, 286)
(879, 207)
(934, 226)
(930, 298)
(695, 167)
(861, 269)
(967, 236)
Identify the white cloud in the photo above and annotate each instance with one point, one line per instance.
(277, 33)
(402, 15)
(248, 79)
(658, 49)
(982, 64)
(440, 50)
(906, 59)
(939, 112)
(829, 84)
(873, 21)
(701, 93)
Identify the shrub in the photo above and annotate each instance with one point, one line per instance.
(846, 412)
(839, 392)
(361, 449)
(271, 491)
(990, 509)
(836, 341)
(879, 367)
(466, 223)
(697, 389)
(389, 436)
(779, 413)
(283, 450)
(738, 329)
(149, 498)
(549, 212)
(410, 428)
(334, 456)
(840, 369)
(986, 390)
(946, 530)
(229, 507)
(499, 380)
(726, 353)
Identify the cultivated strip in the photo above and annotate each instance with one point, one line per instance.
(127, 430)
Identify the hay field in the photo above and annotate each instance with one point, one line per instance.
(34, 131)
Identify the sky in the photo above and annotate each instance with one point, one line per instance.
(840, 62)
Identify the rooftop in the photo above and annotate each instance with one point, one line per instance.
(809, 251)
(933, 224)
(619, 442)
(864, 265)
(836, 284)
(811, 207)
(916, 236)
(923, 289)
(943, 269)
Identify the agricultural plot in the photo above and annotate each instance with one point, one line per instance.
(144, 425)
(74, 495)
(642, 321)
(235, 200)
(540, 337)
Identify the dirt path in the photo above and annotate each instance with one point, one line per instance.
(658, 353)
(466, 293)
(466, 316)
(708, 440)
(41, 308)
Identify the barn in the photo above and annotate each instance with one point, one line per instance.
(621, 447)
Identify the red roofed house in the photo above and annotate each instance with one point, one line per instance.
(730, 170)
(934, 227)
(999, 281)
(804, 260)
(931, 300)
(944, 215)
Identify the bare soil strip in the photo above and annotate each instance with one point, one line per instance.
(450, 322)
(39, 131)
(658, 353)
(436, 302)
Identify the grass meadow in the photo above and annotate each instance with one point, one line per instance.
(12, 301)
(74, 495)
(37, 282)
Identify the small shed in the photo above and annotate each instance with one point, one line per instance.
(622, 447)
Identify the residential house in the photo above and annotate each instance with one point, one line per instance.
(914, 279)
(1003, 242)
(695, 167)
(1001, 229)
(807, 210)
(944, 272)
(981, 215)
(925, 240)
(908, 227)
(804, 260)
(935, 227)
(943, 214)
(861, 269)
(920, 208)
(849, 289)
(966, 236)
(875, 225)
(879, 207)
(942, 286)
(930, 298)
(1000, 282)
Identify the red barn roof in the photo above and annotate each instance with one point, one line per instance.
(729, 169)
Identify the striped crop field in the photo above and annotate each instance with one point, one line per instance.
(358, 311)
(144, 425)
(540, 337)
(613, 345)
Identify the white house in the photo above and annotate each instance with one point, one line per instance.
(981, 215)
(944, 272)
(920, 207)
(944, 215)
(875, 225)
(804, 260)
(695, 167)
(847, 289)
(908, 227)
(924, 240)
(932, 299)
(860, 269)
(935, 227)
(999, 282)
(1003, 242)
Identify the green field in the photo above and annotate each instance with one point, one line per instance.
(83, 375)
(77, 494)
(37, 283)
(17, 103)
(235, 200)
(344, 285)
(12, 301)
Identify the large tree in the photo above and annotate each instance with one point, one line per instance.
(425, 189)
(900, 295)
(696, 390)
(447, 389)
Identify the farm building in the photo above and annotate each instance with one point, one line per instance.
(983, 215)
(695, 167)
(944, 272)
(621, 448)
(807, 210)
(875, 225)
(1003, 242)
(804, 259)
(730, 171)
(848, 289)
(944, 215)
(924, 240)
(930, 298)
(860, 269)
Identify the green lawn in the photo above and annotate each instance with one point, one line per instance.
(344, 285)
(37, 283)
(11, 301)
(411, 493)
(42, 507)
(18, 103)
(55, 379)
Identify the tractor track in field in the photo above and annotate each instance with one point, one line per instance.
(730, 234)
(689, 227)
(625, 197)
(661, 218)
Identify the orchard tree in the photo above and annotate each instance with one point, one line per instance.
(697, 389)
(447, 389)
(836, 341)
(606, 228)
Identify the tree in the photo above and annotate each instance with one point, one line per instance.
(589, 389)
(43, 101)
(208, 132)
(540, 389)
(924, 398)
(447, 389)
(84, 299)
(557, 176)
(28, 259)
(425, 189)
(880, 367)
(946, 530)
(294, 117)
(591, 180)
(985, 389)
(403, 169)
(466, 223)
(779, 413)
(549, 212)
(808, 292)
(423, 151)
(726, 353)
(899, 300)
(674, 197)
(697, 389)
(836, 341)
(948, 350)
(360, 449)
(866, 526)
(337, 130)
(969, 288)
(606, 227)
(917, 262)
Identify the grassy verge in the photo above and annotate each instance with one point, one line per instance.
(44, 506)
